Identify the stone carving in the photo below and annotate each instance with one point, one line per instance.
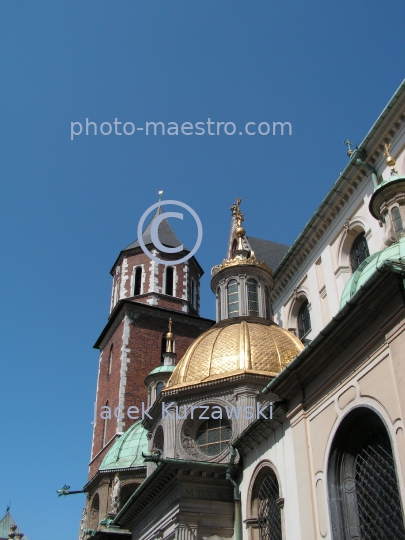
(82, 526)
(115, 495)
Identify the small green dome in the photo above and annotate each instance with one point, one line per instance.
(162, 369)
(395, 252)
(127, 450)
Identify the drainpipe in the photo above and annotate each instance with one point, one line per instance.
(371, 169)
(236, 495)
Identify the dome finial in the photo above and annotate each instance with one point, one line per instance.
(160, 193)
(239, 231)
(390, 161)
(169, 338)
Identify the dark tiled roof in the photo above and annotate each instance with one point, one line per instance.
(166, 234)
(269, 252)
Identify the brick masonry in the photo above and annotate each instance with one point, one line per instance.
(133, 338)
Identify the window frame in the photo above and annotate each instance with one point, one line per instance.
(228, 303)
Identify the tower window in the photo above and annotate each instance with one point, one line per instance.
(268, 304)
(268, 511)
(397, 220)
(193, 294)
(253, 298)
(159, 387)
(219, 303)
(169, 281)
(233, 298)
(213, 436)
(138, 281)
(110, 360)
(304, 320)
(359, 251)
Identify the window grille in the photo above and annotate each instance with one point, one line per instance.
(396, 219)
(269, 513)
(213, 436)
(379, 506)
(138, 281)
(233, 299)
(304, 320)
(169, 281)
(359, 251)
(253, 298)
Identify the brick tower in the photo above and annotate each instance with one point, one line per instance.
(145, 294)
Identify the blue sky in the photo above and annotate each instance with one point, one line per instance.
(68, 207)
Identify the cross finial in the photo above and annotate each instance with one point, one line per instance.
(390, 161)
(235, 209)
(349, 144)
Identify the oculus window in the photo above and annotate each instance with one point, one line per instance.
(213, 436)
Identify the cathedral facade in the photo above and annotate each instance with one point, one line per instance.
(284, 418)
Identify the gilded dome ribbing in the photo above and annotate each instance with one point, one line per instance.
(239, 346)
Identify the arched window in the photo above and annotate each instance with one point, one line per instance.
(303, 320)
(105, 427)
(253, 298)
(193, 294)
(268, 511)
(159, 387)
(219, 303)
(397, 220)
(110, 360)
(363, 486)
(213, 436)
(233, 298)
(169, 280)
(138, 281)
(94, 512)
(268, 303)
(359, 251)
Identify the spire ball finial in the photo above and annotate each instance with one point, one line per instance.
(235, 209)
(390, 161)
(169, 338)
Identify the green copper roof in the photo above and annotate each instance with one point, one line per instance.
(395, 252)
(127, 451)
(162, 369)
(5, 525)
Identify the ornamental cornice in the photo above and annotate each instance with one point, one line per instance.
(240, 261)
(337, 198)
(134, 310)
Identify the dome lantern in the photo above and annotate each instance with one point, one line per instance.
(241, 283)
(387, 204)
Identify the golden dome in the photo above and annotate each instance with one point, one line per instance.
(252, 346)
